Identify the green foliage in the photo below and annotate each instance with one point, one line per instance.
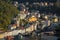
(58, 27)
(7, 12)
(23, 21)
(57, 4)
(7, 1)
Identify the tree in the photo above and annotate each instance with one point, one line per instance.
(7, 12)
(57, 29)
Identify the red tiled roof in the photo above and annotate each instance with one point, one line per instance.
(14, 25)
(21, 27)
(9, 37)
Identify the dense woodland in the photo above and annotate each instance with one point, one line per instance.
(7, 12)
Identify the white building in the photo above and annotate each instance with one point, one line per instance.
(41, 4)
(22, 16)
(51, 4)
(13, 26)
(45, 23)
(16, 3)
(18, 22)
(46, 4)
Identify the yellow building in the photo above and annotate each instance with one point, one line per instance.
(1, 35)
(46, 3)
(55, 20)
(32, 19)
(49, 22)
(46, 17)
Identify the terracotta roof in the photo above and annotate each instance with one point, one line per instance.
(21, 27)
(14, 25)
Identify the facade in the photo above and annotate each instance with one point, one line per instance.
(15, 3)
(32, 19)
(13, 26)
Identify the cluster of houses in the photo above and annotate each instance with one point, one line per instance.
(33, 17)
(34, 3)
(34, 20)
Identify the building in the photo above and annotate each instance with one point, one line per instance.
(1, 36)
(23, 16)
(15, 3)
(13, 26)
(32, 19)
(21, 7)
